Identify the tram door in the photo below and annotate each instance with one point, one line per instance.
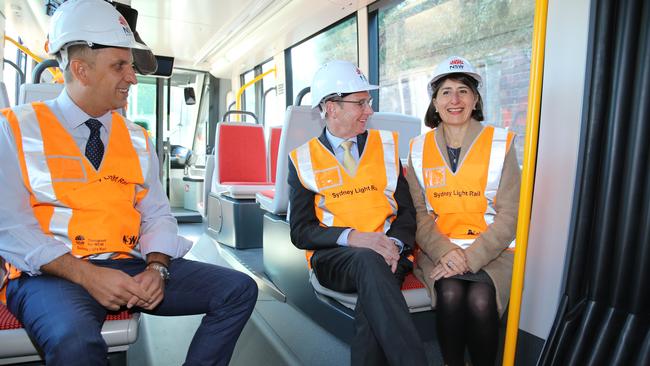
(174, 113)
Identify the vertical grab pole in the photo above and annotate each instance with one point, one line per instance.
(527, 179)
(241, 90)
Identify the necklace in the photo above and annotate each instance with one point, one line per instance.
(453, 153)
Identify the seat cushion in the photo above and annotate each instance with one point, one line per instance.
(414, 292)
(9, 321)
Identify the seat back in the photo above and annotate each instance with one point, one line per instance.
(240, 154)
(4, 97)
(38, 92)
(301, 123)
(274, 145)
(407, 127)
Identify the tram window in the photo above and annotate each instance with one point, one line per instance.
(273, 113)
(338, 42)
(201, 132)
(248, 98)
(141, 107)
(183, 117)
(495, 35)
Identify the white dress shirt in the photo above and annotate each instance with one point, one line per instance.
(23, 243)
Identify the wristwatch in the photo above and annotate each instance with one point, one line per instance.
(164, 272)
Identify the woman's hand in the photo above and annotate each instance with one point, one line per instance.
(455, 262)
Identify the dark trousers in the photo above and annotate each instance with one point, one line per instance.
(384, 330)
(65, 321)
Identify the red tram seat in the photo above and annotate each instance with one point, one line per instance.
(274, 145)
(119, 331)
(240, 166)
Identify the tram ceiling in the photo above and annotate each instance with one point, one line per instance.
(204, 34)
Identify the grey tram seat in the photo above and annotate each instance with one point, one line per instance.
(4, 97)
(301, 123)
(38, 92)
(119, 331)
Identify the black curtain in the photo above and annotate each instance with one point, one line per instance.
(604, 313)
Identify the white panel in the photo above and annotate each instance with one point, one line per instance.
(362, 26)
(564, 74)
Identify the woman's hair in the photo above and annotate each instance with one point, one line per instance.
(432, 118)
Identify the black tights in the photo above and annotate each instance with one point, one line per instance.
(466, 314)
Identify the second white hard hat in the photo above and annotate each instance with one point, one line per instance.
(453, 64)
(338, 77)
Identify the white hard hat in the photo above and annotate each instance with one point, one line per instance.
(338, 77)
(454, 64)
(94, 22)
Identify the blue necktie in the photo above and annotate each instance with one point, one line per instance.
(94, 146)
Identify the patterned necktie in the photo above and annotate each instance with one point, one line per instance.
(348, 160)
(94, 146)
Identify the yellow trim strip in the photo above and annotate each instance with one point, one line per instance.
(527, 179)
(241, 90)
(53, 70)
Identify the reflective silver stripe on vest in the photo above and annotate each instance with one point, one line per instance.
(306, 170)
(391, 165)
(309, 180)
(59, 224)
(495, 166)
(417, 152)
(139, 141)
(40, 178)
(111, 255)
(38, 172)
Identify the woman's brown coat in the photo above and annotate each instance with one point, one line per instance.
(488, 251)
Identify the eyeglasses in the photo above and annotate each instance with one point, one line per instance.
(361, 103)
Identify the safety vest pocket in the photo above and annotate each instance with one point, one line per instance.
(66, 169)
(328, 178)
(434, 177)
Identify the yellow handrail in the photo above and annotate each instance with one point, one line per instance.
(56, 73)
(527, 179)
(241, 90)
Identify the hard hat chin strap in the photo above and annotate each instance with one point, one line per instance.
(63, 53)
(63, 58)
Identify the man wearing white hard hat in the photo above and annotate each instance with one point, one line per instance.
(85, 226)
(352, 213)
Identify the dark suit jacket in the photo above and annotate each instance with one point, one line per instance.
(306, 232)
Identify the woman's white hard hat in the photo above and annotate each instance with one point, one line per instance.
(452, 65)
(93, 22)
(338, 77)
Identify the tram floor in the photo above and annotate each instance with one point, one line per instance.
(277, 334)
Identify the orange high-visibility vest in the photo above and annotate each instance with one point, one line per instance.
(462, 203)
(365, 201)
(92, 212)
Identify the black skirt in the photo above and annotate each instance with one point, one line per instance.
(480, 276)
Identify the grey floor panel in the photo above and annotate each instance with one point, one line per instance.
(310, 343)
(277, 334)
